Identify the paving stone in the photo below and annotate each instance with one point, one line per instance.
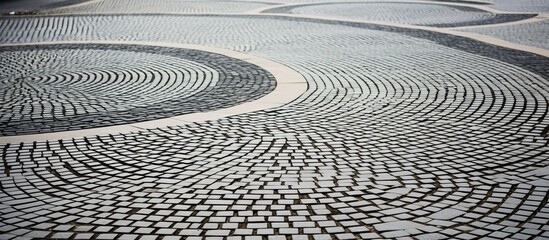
(402, 133)
(447, 214)
(101, 112)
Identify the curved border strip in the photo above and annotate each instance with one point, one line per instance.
(452, 4)
(293, 81)
(449, 31)
(273, 6)
(289, 86)
(500, 17)
(540, 17)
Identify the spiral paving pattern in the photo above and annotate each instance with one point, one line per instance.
(401, 133)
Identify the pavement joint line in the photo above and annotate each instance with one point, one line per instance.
(289, 86)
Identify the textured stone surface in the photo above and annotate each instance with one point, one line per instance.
(402, 12)
(162, 6)
(519, 6)
(530, 34)
(401, 133)
(68, 87)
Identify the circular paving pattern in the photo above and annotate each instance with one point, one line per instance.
(69, 87)
(401, 12)
(402, 133)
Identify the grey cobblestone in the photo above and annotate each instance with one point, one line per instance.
(401, 12)
(165, 88)
(161, 6)
(530, 34)
(401, 134)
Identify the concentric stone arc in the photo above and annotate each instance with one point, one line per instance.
(402, 133)
(83, 86)
(414, 13)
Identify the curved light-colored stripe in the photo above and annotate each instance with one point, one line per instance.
(455, 4)
(540, 17)
(261, 10)
(289, 86)
(450, 31)
(77, 5)
(474, 36)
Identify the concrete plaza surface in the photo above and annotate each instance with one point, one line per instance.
(275, 119)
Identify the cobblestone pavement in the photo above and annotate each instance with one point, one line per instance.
(403, 132)
(162, 6)
(402, 12)
(112, 85)
(531, 34)
(519, 6)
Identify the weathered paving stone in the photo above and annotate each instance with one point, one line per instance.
(401, 134)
